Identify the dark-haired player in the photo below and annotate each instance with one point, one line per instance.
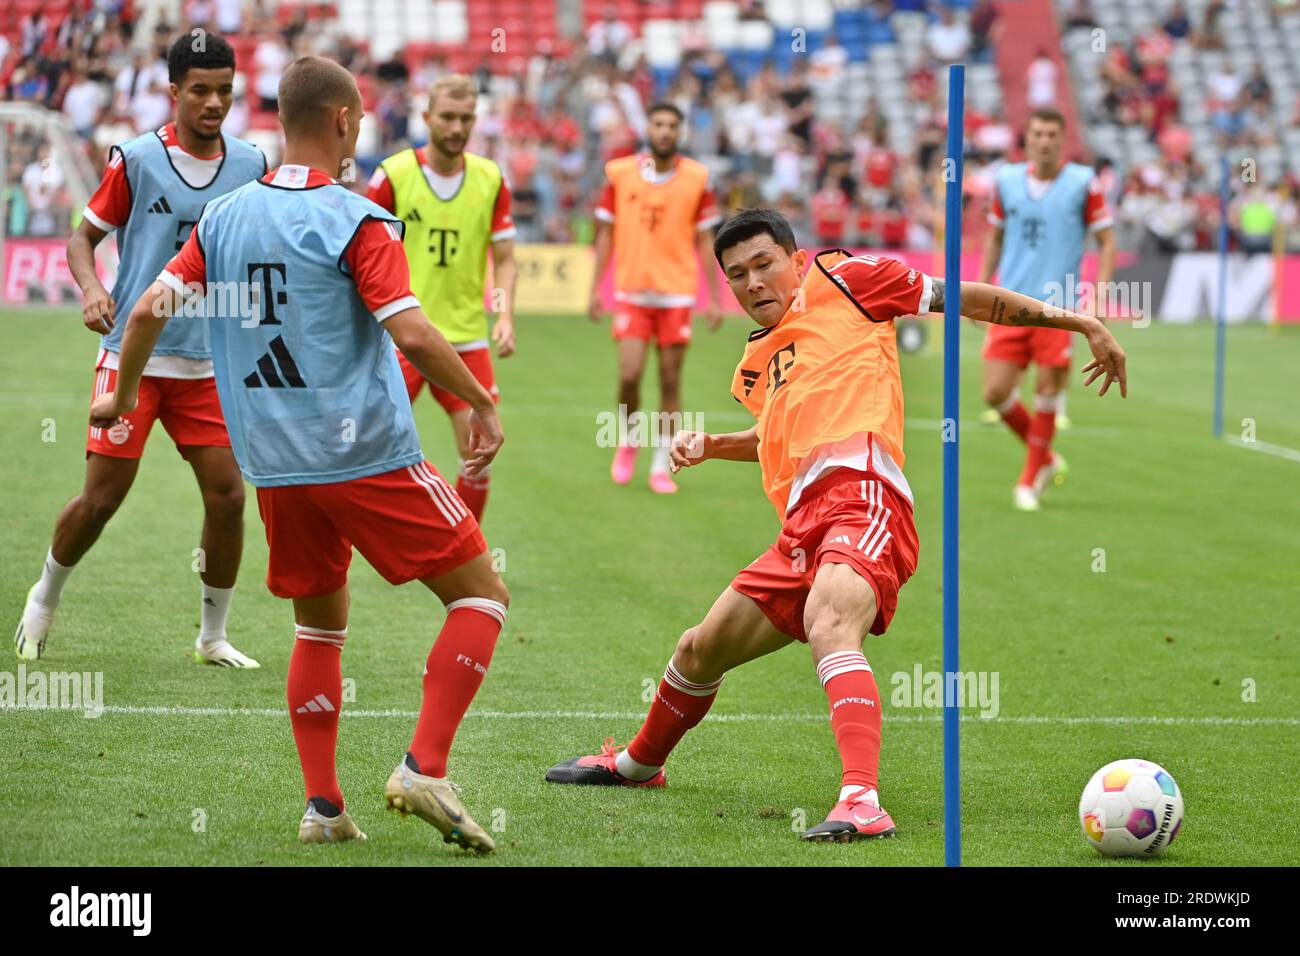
(655, 218)
(321, 425)
(152, 193)
(821, 375)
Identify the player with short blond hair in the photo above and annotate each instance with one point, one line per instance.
(321, 426)
(456, 205)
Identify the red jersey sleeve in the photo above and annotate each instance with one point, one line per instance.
(380, 190)
(884, 287)
(110, 206)
(503, 224)
(1096, 214)
(605, 207)
(996, 216)
(188, 267)
(706, 217)
(376, 261)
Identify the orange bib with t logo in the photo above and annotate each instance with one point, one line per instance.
(826, 371)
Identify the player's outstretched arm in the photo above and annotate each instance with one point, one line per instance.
(997, 306)
(143, 327)
(691, 448)
(427, 349)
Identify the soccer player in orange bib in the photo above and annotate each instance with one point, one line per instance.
(821, 375)
(655, 218)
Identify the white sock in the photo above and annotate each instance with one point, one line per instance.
(1060, 404)
(871, 796)
(49, 589)
(660, 460)
(1008, 403)
(216, 608)
(633, 770)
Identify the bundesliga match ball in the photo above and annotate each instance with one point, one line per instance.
(1131, 808)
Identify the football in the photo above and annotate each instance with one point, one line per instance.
(1131, 808)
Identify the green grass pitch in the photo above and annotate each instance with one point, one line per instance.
(1197, 608)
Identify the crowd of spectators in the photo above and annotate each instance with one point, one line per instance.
(1172, 203)
(552, 124)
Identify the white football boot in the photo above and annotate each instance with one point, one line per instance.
(1025, 499)
(29, 638)
(222, 653)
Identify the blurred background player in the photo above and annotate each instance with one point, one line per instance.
(455, 205)
(832, 466)
(1042, 214)
(656, 218)
(318, 361)
(152, 193)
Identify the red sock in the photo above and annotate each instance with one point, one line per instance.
(452, 675)
(1041, 431)
(678, 706)
(315, 692)
(474, 492)
(855, 715)
(1017, 419)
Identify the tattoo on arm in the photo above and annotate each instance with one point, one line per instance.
(936, 295)
(998, 316)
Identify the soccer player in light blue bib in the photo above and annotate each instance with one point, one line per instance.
(1042, 214)
(152, 193)
(304, 288)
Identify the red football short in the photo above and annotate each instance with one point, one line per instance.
(478, 361)
(847, 517)
(408, 524)
(1049, 348)
(667, 326)
(187, 407)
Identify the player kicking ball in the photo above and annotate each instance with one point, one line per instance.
(151, 195)
(821, 375)
(321, 425)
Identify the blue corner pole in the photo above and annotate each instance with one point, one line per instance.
(1221, 305)
(951, 397)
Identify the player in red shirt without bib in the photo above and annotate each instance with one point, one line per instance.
(182, 160)
(655, 218)
(821, 375)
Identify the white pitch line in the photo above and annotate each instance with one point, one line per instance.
(162, 711)
(1268, 448)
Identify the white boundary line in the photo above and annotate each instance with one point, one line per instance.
(1268, 448)
(160, 711)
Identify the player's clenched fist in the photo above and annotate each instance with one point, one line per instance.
(688, 448)
(97, 310)
(108, 408)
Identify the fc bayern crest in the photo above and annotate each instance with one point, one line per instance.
(119, 432)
